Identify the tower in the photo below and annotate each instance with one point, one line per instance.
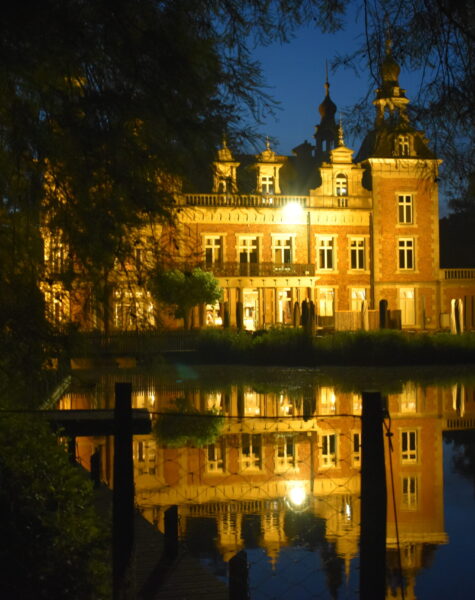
(326, 133)
(402, 176)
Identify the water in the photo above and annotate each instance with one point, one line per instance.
(279, 473)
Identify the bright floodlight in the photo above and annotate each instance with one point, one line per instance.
(297, 496)
(293, 212)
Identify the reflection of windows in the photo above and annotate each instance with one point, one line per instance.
(326, 253)
(406, 253)
(285, 406)
(328, 450)
(408, 399)
(356, 448)
(215, 457)
(357, 403)
(282, 249)
(214, 401)
(357, 254)
(251, 452)
(327, 401)
(145, 457)
(213, 249)
(325, 301)
(341, 185)
(405, 208)
(410, 493)
(252, 404)
(409, 446)
(286, 453)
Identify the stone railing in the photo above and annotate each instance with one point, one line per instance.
(244, 200)
(263, 269)
(458, 274)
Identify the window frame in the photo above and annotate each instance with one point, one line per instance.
(326, 253)
(406, 254)
(358, 253)
(409, 440)
(208, 245)
(405, 209)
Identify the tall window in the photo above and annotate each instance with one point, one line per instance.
(328, 450)
(409, 446)
(326, 297)
(357, 254)
(326, 253)
(402, 145)
(405, 208)
(213, 249)
(410, 493)
(215, 457)
(248, 255)
(251, 452)
(327, 401)
(145, 454)
(286, 454)
(341, 185)
(267, 184)
(357, 297)
(356, 448)
(282, 249)
(406, 253)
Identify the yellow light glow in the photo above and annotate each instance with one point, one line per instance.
(293, 213)
(297, 496)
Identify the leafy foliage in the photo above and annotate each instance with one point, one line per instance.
(184, 425)
(54, 545)
(185, 289)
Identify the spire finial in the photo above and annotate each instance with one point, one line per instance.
(267, 143)
(341, 140)
(327, 84)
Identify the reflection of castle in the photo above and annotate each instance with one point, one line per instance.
(281, 458)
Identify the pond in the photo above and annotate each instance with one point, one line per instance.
(268, 461)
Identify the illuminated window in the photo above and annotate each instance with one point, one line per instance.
(132, 310)
(328, 450)
(341, 185)
(402, 145)
(357, 254)
(406, 253)
(286, 453)
(327, 401)
(358, 295)
(409, 446)
(285, 407)
(405, 208)
(356, 449)
(357, 403)
(251, 452)
(215, 454)
(326, 253)
(326, 297)
(248, 250)
(410, 493)
(213, 249)
(408, 399)
(145, 455)
(267, 184)
(282, 249)
(252, 404)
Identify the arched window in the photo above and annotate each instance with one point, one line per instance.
(341, 185)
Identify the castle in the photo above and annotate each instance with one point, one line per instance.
(321, 226)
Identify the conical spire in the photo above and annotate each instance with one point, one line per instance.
(326, 133)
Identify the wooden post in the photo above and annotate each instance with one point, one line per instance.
(238, 577)
(373, 500)
(170, 550)
(123, 495)
(383, 314)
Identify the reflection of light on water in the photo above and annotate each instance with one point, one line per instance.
(348, 511)
(297, 497)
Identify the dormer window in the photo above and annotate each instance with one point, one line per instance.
(341, 185)
(402, 145)
(267, 184)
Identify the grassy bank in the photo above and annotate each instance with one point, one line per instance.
(374, 348)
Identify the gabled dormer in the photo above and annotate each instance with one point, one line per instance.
(268, 165)
(224, 171)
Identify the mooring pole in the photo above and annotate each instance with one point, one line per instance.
(123, 495)
(373, 500)
(239, 577)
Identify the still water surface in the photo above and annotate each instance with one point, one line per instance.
(276, 471)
